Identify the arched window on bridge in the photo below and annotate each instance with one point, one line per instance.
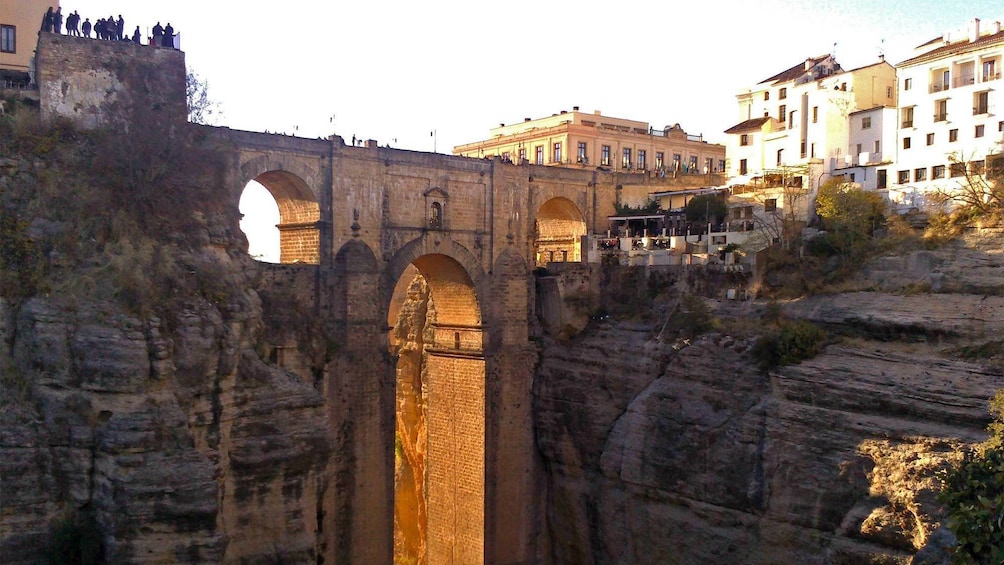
(436, 216)
(280, 219)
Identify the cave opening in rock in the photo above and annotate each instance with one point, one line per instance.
(558, 232)
(279, 217)
(439, 441)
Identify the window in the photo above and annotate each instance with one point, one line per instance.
(940, 110)
(981, 103)
(539, 154)
(906, 143)
(812, 150)
(888, 92)
(436, 216)
(980, 129)
(744, 139)
(907, 115)
(721, 165)
(641, 158)
(580, 154)
(780, 157)
(556, 150)
(782, 112)
(506, 158)
(976, 167)
(881, 182)
(904, 177)
(626, 159)
(676, 162)
(8, 39)
(940, 80)
(907, 83)
(930, 139)
(742, 167)
(920, 174)
(522, 155)
(957, 169)
(815, 114)
(605, 155)
(782, 94)
(766, 95)
(708, 161)
(990, 70)
(866, 122)
(770, 204)
(660, 159)
(878, 147)
(693, 163)
(791, 119)
(953, 135)
(938, 172)
(857, 149)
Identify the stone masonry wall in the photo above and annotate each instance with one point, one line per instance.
(96, 82)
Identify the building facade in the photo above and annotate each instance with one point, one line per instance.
(795, 130)
(570, 139)
(20, 21)
(949, 113)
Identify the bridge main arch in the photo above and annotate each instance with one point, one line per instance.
(290, 183)
(437, 341)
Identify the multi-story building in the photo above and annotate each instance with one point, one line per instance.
(949, 112)
(20, 21)
(795, 128)
(581, 139)
(870, 148)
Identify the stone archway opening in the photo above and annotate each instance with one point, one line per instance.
(285, 229)
(558, 232)
(439, 482)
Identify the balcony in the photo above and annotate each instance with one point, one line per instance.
(964, 80)
(907, 124)
(941, 117)
(984, 109)
(939, 86)
(990, 76)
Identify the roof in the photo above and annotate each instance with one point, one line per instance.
(795, 71)
(748, 125)
(954, 48)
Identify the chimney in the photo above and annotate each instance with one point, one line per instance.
(596, 112)
(996, 26)
(881, 57)
(947, 37)
(576, 108)
(974, 30)
(564, 112)
(501, 124)
(526, 119)
(809, 63)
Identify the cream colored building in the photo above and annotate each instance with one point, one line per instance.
(949, 113)
(575, 138)
(20, 21)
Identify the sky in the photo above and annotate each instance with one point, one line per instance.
(396, 71)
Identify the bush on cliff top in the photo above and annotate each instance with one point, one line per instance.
(788, 343)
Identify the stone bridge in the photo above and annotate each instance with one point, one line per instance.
(356, 226)
(359, 226)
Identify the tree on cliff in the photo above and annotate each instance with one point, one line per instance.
(849, 215)
(973, 495)
(201, 107)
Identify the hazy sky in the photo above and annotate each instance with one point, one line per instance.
(394, 71)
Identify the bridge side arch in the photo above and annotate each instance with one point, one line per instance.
(294, 186)
(559, 225)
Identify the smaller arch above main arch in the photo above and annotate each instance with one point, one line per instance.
(299, 209)
(558, 231)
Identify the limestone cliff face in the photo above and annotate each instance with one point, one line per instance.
(687, 453)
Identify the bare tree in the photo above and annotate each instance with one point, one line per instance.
(782, 206)
(979, 187)
(201, 107)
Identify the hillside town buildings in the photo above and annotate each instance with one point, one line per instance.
(582, 139)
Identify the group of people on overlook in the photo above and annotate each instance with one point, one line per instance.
(108, 28)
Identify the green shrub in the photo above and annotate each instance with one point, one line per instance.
(973, 495)
(788, 344)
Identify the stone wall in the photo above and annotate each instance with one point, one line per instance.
(98, 83)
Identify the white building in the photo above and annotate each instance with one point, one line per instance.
(871, 148)
(795, 128)
(950, 112)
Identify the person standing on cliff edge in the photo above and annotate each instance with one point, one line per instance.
(121, 26)
(158, 33)
(57, 20)
(47, 21)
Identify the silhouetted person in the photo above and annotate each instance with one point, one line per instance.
(57, 20)
(86, 27)
(168, 35)
(110, 29)
(120, 26)
(47, 20)
(71, 24)
(99, 29)
(136, 36)
(158, 34)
